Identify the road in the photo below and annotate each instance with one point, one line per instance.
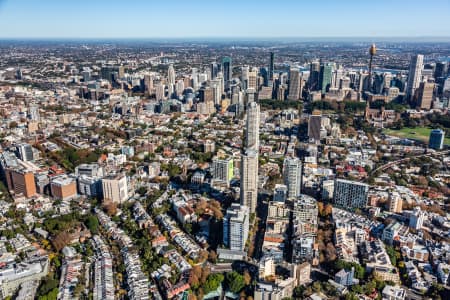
(411, 294)
(396, 162)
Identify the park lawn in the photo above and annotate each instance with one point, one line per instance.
(418, 133)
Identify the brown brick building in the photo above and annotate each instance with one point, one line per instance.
(63, 187)
(21, 181)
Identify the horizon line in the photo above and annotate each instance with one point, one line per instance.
(226, 37)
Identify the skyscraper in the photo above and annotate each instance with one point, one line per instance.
(436, 139)
(235, 227)
(314, 72)
(249, 179)
(294, 84)
(350, 194)
(227, 70)
(292, 175)
(252, 127)
(179, 88)
(314, 126)
(214, 70)
(148, 83)
(372, 52)
(171, 75)
(441, 70)
(425, 95)
(171, 80)
(414, 75)
(160, 91)
(253, 79)
(326, 72)
(271, 65)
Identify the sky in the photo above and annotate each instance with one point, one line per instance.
(216, 18)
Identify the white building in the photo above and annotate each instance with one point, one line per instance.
(115, 188)
(252, 126)
(249, 179)
(222, 169)
(414, 75)
(393, 293)
(443, 272)
(292, 175)
(416, 218)
(327, 189)
(235, 227)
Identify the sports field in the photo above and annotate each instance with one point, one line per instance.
(418, 133)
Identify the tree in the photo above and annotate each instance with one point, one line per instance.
(47, 286)
(212, 256)
(247, 278)
(235, 281)
(330, 252)
(212, 283)
(320, 208)
(110, 208)
(351, 296)
(328, 210)
(92, 224)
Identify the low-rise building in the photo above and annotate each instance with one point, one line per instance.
(393, 293)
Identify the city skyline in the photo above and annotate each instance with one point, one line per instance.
(231, 19)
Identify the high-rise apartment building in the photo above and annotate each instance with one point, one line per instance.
(416, 218)
(252, 126)
(294, 84)
(115, 188)
(171, 75)
(436, 139)
(249, 179)
(292, 175)
(305, 215)
(395, 202)
(425, 95)
(222, 169)
(350, 194)
(414, 75)
(235, 227)
(253, 79)
(24, 152)
(314, 126)
(160, 92)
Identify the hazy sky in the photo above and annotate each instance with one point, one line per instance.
(216, 18)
